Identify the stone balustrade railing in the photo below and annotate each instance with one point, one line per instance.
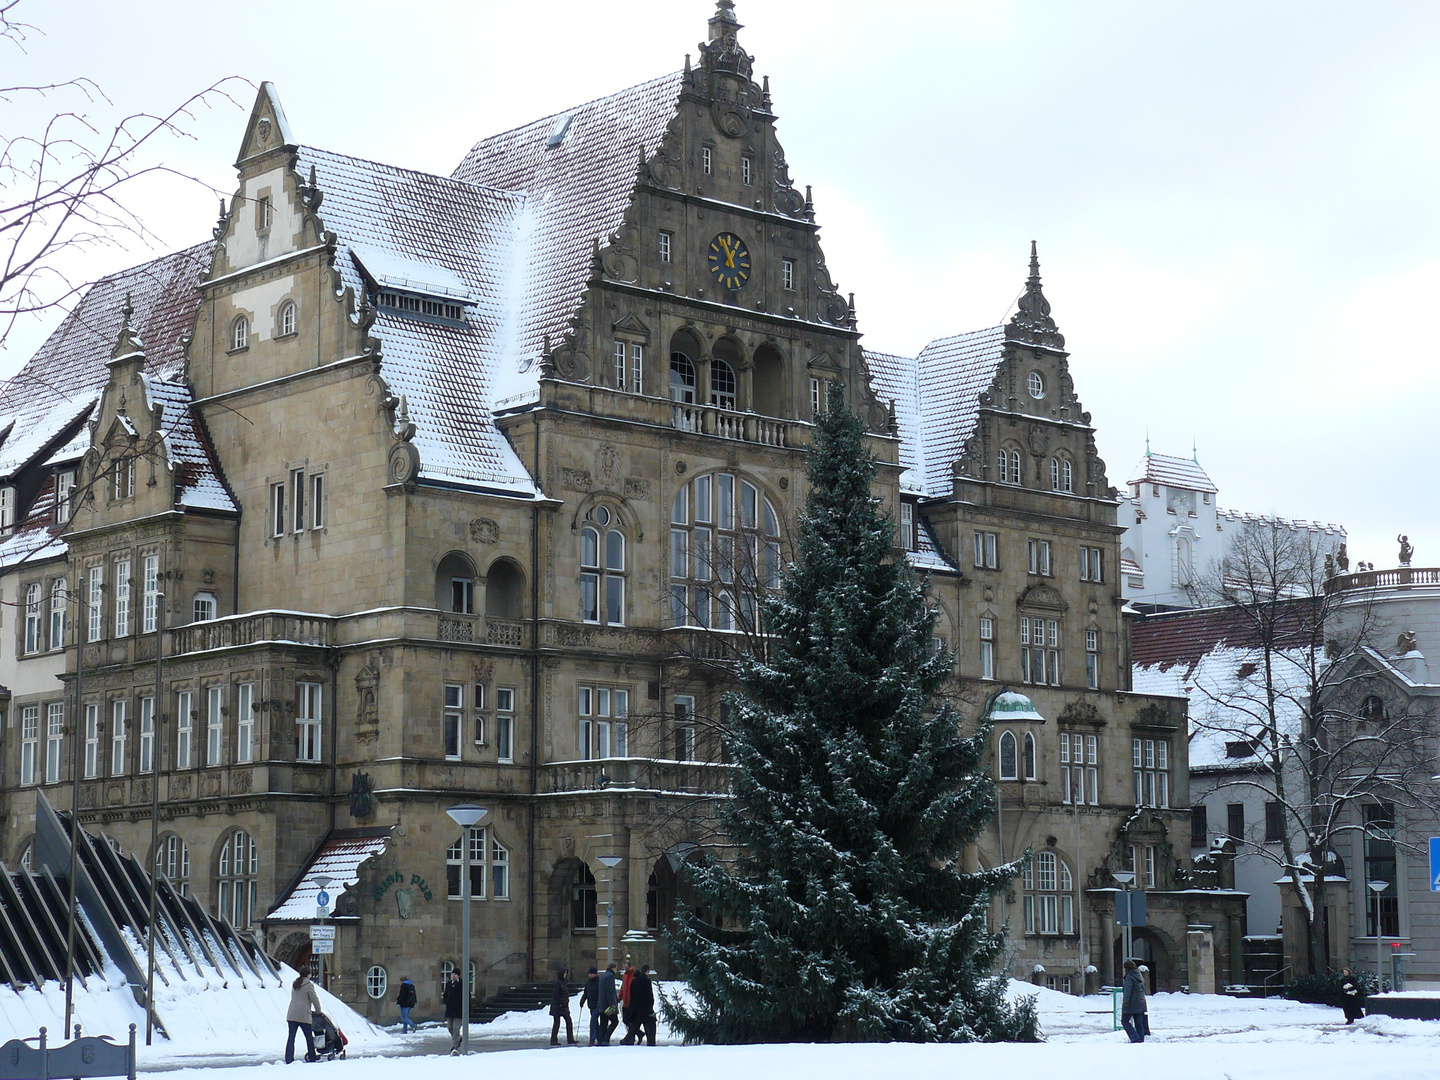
(1400, 577)
(646, 774)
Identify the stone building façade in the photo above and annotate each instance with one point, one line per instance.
(439, 489)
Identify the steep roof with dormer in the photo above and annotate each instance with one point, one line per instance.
(1175, 472)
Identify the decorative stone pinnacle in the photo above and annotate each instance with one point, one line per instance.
(1031, 323)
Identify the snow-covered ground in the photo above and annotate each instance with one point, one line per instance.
(1196, 1037)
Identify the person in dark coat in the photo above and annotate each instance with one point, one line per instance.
(590, 999)
(1134, 1012)
(609, 1003)
(560, 1008)
(1353, 999)
(642, 1004)
(453, 1007)
(406, 1000)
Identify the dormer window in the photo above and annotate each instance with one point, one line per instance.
(427, 308)
(64, 486)
(240, 333)
(7, 509)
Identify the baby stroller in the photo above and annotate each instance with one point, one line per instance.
(330, 1041)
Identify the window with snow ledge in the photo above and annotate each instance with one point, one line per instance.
(438, 309)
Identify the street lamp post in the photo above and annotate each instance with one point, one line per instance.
(155, 746)
(1126, 878)
(1377, 887)
(610, 862)
(465, 815)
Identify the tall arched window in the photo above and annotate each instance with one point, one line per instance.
(1062, 475)
(1009, 765)
(58, 600)
(583, 906)
(602, 568)
(724, 548)
(722, 384)
(237, 879)
(1029, 756)
(287, 319)
(682, 379)
(172, 858)
(33, 619)
(1007, 466)
(455, 584)
(1049, 896)
(1372, 709)
(240, 333)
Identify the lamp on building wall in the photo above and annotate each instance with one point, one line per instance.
(465, 815)
(610, 862)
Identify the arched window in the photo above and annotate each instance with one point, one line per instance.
(722, 385)
(504, 590)
(1372, 709)
(1007, 466)
(58, 600)
(1062, 476)
(1049, 895)
(455, 865)
(376, 981)
(237, 881)
(33, 621)
(455, 584)
(583, 907)
(1029, 756)
(602, 568)
(724, 548)
(26, 859)
(204, 607)
(1008, 754)
(1014, 466)
(240, 333)
(682, 379)
(287, 319)
(172, 858)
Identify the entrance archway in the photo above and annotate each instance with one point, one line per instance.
(1148, 949)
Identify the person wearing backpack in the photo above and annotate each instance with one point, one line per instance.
(406, 1000)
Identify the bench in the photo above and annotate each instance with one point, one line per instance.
(94, 1055)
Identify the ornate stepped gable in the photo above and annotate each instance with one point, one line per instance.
(948, 398)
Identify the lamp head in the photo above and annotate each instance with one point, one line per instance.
(611, 861)
(1378, 886)
(1124, 877)
(466, 814)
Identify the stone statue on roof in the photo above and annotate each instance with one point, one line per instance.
(1407, 549)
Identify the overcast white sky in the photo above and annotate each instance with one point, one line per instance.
(1235, 202)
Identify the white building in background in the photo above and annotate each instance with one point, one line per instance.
(1175, 528)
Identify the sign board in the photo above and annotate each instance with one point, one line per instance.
(324, 948)
(1134, 914)
(322, 899)
(322, 933)
(1435, 864)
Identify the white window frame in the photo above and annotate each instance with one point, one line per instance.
(287, 319)
(1013, 773)
(204, 607)
(245, 723)
(34, 619)
(29, 743)
(505, 724)
(907, 525)
(239, 333)
(124, 477)
(707, 160)
(95, 615)
(122, 598)
(7, 509)
(1092, 659)
(214, 725)
(377, 982)
(184, 729)
(64, 486)
(787, 275)
(310, 712)
(453, 720)
(119, 735)
(637, 367)
(745, 171)
(54, 741)
(986, 550)
(987, 647)
(297, 507)
(92, 741)
(317, 500)
(683, 717)
(454, 856)
(146, 763)
(150, 613)
(499, 869)
(1039, 557)
(277, 511)
(58, 602)
(666, 246)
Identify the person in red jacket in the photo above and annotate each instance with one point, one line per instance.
(626, 1013)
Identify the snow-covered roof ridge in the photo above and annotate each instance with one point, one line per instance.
(1299, 524)
(1172, 472)
(338, 858)
(59, 384)
(952, 374)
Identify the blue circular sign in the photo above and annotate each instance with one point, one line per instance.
(323, 899)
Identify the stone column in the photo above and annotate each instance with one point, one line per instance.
(1107, 946)
(1200, 951)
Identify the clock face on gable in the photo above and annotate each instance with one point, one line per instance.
(729, 261)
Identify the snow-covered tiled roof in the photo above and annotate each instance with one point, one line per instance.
(1241, 517)
(397, 222)
(199, 482)
(953, 372)
(928, 554)
(1172, 472)
(338, 857)
(897, 378)
(30, 546)
(61, 382)
(576, 192)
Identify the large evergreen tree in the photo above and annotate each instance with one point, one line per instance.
(853, 798)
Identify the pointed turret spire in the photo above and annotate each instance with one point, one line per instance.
(1194, 450)
(724, 16)
(722, 51)
(1032, 324)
